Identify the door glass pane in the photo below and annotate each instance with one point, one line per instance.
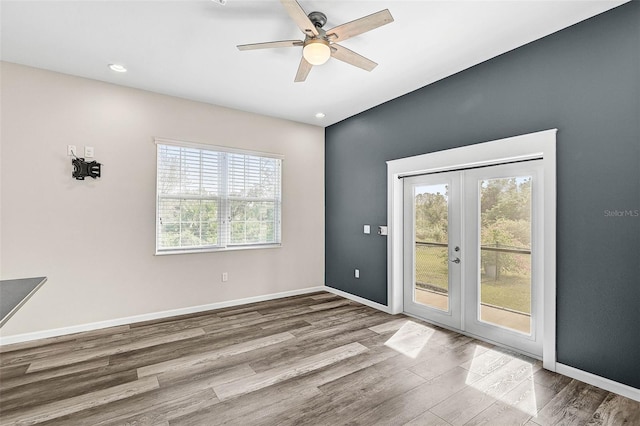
(431, 207)
(505, 251)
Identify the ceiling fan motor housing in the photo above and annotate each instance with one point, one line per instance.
(318, 19)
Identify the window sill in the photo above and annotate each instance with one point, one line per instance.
(220, 249)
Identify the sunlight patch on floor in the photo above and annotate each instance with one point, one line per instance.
(505, 377)
(410, 339)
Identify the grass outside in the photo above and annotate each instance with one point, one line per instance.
(511, 291)
(432, 266)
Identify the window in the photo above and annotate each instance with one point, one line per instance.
(213, 198)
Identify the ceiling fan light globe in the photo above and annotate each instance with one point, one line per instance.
(316, 52)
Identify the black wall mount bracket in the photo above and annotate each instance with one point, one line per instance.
(82, 169)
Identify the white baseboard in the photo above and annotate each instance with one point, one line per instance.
(26, 337)
(358, 299)
(601, 382)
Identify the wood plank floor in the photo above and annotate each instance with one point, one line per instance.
(315, 359)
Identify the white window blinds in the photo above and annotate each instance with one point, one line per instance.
(213, 199)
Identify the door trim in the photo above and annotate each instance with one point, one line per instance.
(533, 145)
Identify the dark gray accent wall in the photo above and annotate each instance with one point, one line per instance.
(585, 81)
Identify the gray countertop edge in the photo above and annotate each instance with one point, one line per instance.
(4, 320)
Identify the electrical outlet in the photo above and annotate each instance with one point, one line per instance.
(71, 150)
(88, 152)
(225, 277)
(357, 273)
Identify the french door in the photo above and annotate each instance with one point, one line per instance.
(473, 261)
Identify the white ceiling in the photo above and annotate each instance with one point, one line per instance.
(187, 48)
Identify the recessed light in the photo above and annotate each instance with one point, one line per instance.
(320, 115)
(117, 68)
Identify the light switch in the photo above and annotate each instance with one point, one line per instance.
(367, 229)
(357, 273)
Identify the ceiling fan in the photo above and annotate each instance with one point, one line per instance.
(319, 45)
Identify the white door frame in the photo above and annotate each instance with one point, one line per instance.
(534, 145)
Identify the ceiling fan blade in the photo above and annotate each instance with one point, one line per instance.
(297, 13)
(359, 26)
(303, 70)
(300, 17)
(350, 57)
(271, 44)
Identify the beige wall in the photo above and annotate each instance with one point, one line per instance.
(94, 240)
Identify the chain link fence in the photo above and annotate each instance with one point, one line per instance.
(432, 266)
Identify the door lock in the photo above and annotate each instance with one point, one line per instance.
(457, 259)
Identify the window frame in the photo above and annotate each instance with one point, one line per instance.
(224, 210)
